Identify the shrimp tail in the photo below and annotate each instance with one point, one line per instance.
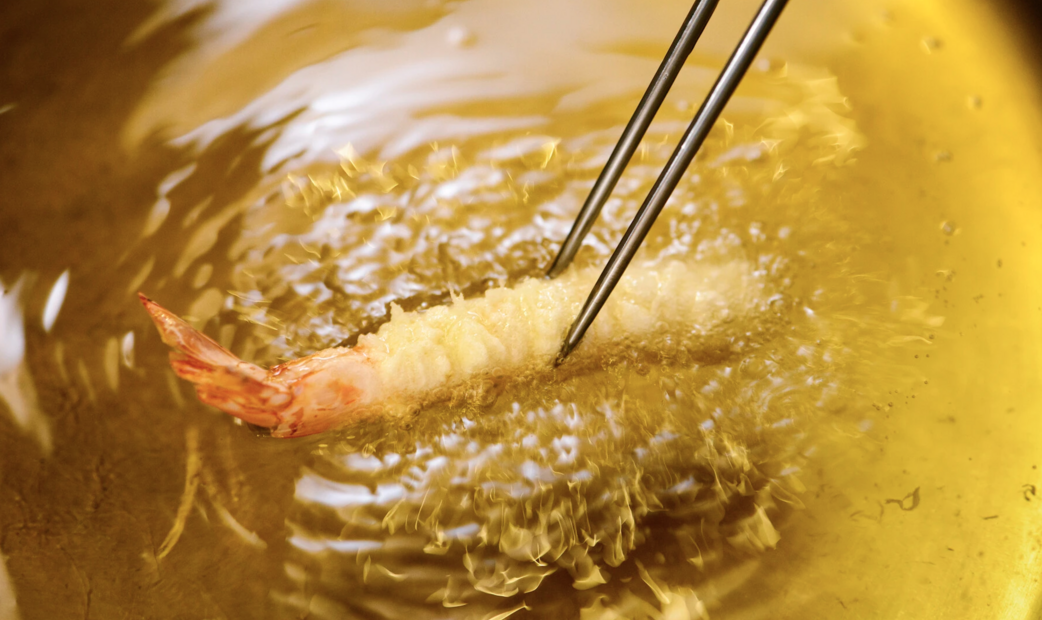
(221, 379)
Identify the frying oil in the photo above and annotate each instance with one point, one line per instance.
(874, 451)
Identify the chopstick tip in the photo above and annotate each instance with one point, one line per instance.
(566, 349)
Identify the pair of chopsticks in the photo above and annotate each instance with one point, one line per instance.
(692, 140)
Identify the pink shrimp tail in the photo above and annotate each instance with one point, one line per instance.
(221, 379)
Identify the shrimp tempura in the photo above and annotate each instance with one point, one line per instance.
(420, 357)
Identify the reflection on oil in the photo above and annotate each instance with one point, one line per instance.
(55, 299)
(8, 604)
(17, 389)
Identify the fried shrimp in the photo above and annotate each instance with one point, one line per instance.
(420, 357)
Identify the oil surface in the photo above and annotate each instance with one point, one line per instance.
(282, 173)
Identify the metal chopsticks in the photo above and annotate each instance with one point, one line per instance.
(667, 72)
(678, 162)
